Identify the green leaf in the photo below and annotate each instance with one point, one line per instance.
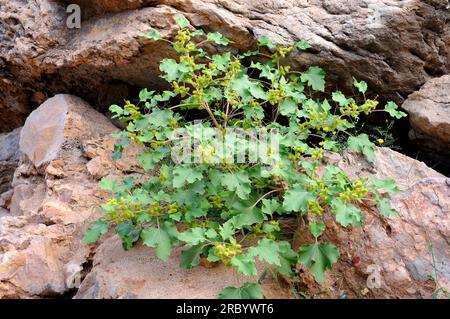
(288, 258)
(145, 95)
(288, 107)
(197, 33)
(128, 233)
(211, 233)
(247, 89)
(270, 206)
(246, 291)
(330, 145)
(173, 70)
(388, 185)
(191, 257)
(117, 110)
(361, 86)
(296, 198)
(193, 236)
(185, 174)
(108, 185)
(347, 214)
(340, 98)
(148, 160)
(265, 41)
(318, 258)
(227, 230)
(325, 106)
(268, 71)
(315, 77)
(96, 230)
(159, 238)
(152, 35)
(222, 60)
(391, 108)
(384, 206)
(245, 264)
(217, 38)
(248, 216)
(160, 118)
(237, 182)
(182, 22)
(316, 228)
(361, 144)
(267, 250)
(302, 45)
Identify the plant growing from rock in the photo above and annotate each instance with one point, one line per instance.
(226, 210)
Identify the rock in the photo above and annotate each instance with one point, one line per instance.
(120, 274)
(390, 257)
(388, 164)
(98, 7)
(41, 56)
(41, 251)
(5, 198)
(97, 167)
(55, 170)
(429, 115)
(61, 118)
(9, 158)
(3, 212)
(27, 197)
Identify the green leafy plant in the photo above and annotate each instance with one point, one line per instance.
(226, 210)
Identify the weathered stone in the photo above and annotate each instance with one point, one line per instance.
(97, 167)
(55, 170)
(9, 158)
(41, 252)
(121, 274)
(61, 118)
(41, 56)
(99, 7)
(3, 212)
(27, 198)
(5, 198)
(388, 164)
(390, 257)
(429, 114)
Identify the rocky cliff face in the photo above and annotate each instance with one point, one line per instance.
(393, 45)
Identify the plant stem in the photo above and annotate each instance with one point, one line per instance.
(262, 197)
(213, 117)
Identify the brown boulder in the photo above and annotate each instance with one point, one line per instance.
(140, 274)
(390, 257)
(41, 252)
(429, 115)
(59, 119)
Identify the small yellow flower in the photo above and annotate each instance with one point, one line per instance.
(380, 140)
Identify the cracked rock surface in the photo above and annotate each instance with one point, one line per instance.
(395, 46)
